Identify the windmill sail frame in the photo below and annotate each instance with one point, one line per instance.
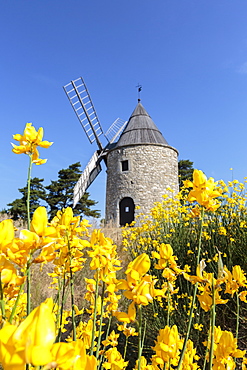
(115, 130)
(90, 172)
(82, 104)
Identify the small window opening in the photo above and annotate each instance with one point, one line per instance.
(125, 165)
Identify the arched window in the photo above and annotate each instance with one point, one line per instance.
(127, 211)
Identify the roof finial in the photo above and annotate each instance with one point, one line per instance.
(139, 92)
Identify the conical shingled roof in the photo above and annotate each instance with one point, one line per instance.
(140, 129)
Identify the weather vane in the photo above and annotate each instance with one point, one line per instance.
(139, 92)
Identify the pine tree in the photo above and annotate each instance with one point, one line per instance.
(185, 171)
(56, 196)
(60, 193)
(18, 208)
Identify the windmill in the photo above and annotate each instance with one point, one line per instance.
(82, 104)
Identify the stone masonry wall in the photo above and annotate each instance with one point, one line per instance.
(152, 169)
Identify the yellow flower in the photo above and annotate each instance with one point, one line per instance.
(167, 346)
(143, 365)
(114, 360)
(40, 236)
(222, 230)
(127, 317)
(36, 334)
(39, 224)
(225, 349)
(198, 326)
(189, 357)
(243, 296)
(195, 212)
(71, 356)
(29, 141)
(203, 190)
(31, 342)
(84, 332)
(239, 276)
(244, 363)
(235, 280)
(139, 266)
(11, 359)
(9, 273)
(111, 340)
(139, 287)
(128, 331)
(7, 234)
(62, 355)
(206, 281)
(165, 257)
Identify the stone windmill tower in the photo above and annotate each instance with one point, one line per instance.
(140, 163)
(140, 168)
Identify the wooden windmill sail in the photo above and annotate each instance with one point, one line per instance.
(82, 104)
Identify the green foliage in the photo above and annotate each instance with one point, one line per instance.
(224, 231)
(57, 195)
(185, 171)
(3, 211)
(60, 193)
(18, 208)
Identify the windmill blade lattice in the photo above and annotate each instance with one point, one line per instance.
(115, 130)
(90, 172)
(82, 104)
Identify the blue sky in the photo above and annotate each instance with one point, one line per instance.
(190, 56)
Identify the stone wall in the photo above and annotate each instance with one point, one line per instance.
(152, 169)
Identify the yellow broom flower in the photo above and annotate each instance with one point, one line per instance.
(31, 342)
(7, 234)
(203, 191)
(29, 141)
(167, 347)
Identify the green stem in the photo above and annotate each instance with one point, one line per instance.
(58, 339)
(57, 301)
(200, 238)
(95, 312)
(212, 324)
(29, 191)
(140, 343)
(16, 303)
(72, 295)
(125, 348)
(194, 295)
(206, 353)
(28, 225)
(237, 324)
(144, 333)
(107, 334)
(2, 303)
(168, 307)
(72, 303)
(28, 290)
(101, 320)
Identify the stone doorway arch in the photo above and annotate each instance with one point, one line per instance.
(127, 211)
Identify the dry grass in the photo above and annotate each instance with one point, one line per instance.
(41, 281)
(19, 224)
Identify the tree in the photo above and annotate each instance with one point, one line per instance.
(18, 208)
(57, 195)
(60, 193)
(185, 171)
